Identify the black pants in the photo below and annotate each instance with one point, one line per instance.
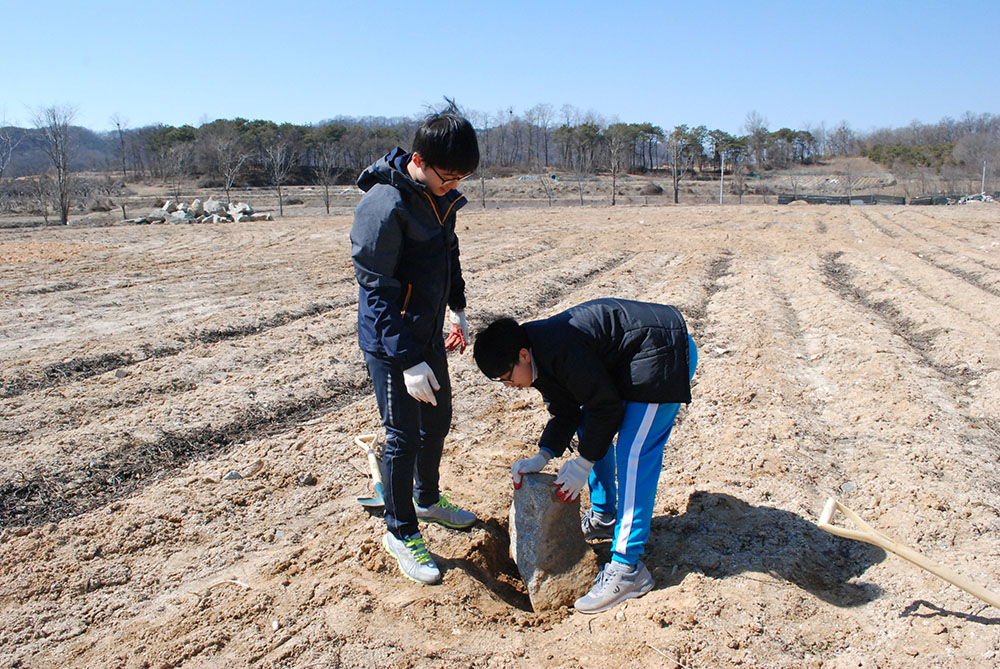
(414, 438)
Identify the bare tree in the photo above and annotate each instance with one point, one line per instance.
(41, 190)
(118, 121)
(9, 139)
(676, 166)
(136, 152)
(570, 114)
(755, 126)
(54, 126)
(976, 151)
(502, 134)
(325, 141)
(538, 119)
(843, 141)
(112, 191)
(620, 138)
(545, 184)
(543, 114)
(739, 180)
(818, 133)
(229, 155)
(176, 165)
(280, 156)
(481, 122)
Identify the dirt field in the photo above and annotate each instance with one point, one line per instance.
(847, 352)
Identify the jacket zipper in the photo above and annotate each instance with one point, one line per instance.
(406, 301)
(409, 286)
(441, 219)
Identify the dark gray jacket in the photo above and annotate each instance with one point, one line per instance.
(405, 255)
(597, 355)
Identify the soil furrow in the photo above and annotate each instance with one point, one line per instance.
(78, 369)
(718, 269)
(878, 226)
(498, 259)
(55, 288)
(976, 279)
(555, 281)
(122, 472)
(840, 278)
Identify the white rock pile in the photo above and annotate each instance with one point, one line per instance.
(978, 197)
(210, 211)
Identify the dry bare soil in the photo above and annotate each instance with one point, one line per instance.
(846, 352)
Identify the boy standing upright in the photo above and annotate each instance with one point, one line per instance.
(603, 367)
(406, 262)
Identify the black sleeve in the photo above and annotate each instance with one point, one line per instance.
(587, 388)
(456, 298)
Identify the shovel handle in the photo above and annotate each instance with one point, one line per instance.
(376, 472)
(868, 535)
(367, 442)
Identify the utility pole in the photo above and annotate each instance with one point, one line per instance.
(722, 174)
(983, 191)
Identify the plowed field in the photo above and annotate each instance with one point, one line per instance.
(846, 352)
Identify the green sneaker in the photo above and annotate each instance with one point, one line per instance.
(445, 513)
(413, 557)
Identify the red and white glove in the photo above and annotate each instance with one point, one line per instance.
(458, 336)
(535, 463)
(572, 477)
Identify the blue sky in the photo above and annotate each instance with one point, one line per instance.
(798, 64)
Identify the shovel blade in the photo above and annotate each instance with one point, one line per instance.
(373, 502)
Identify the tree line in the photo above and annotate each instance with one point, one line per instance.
(226, 153)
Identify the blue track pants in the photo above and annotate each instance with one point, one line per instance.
(623, 483)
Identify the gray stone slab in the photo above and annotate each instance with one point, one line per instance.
(547, 544)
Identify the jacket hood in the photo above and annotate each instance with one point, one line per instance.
(389, 169)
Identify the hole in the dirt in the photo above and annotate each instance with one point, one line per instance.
(488, 561)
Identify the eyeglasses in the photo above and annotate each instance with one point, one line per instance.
(448, 181)
(509, 375)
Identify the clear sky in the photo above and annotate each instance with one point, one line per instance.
(874, 63)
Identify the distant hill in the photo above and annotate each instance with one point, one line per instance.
(92, 151)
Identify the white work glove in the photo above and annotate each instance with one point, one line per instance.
(458, 337)
(421, 382)
(530, 465)
(572, 477)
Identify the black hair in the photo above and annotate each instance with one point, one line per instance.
(497, 347)
(447, 140)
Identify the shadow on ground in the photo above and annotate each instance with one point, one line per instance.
(720, 535)
(915, 610)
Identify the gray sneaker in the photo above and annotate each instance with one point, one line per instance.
(413, 558)
(594, 528)
(616, 583)
(445, 513)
